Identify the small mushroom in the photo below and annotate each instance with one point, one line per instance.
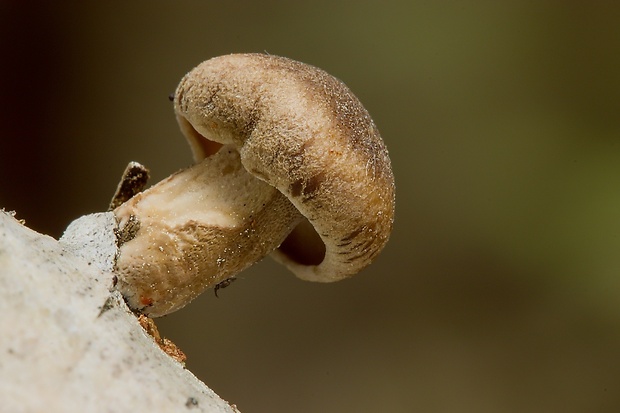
(288, 163)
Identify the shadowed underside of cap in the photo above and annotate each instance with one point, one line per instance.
(303, 132)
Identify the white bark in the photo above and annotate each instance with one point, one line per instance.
(68, 344)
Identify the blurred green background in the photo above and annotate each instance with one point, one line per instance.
(498, 291)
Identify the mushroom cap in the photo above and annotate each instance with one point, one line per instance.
(304, 132)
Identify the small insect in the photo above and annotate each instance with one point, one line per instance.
(223, 284)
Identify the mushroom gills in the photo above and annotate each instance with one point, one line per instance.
(196, 229)
(304, 245)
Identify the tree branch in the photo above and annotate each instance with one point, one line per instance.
(69, 344)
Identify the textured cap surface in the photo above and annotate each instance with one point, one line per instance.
(303, 132)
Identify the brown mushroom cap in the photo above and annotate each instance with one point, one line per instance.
(302, 131)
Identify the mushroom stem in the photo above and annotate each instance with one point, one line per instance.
(196, 229)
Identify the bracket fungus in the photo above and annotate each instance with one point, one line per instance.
(288, 163)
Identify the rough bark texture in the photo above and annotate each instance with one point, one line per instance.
(68, 344)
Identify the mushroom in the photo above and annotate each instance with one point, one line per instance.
(288, 163)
